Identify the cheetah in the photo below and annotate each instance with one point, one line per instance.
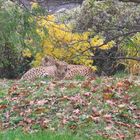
(57, 71)
(73, 70)
(50, 61)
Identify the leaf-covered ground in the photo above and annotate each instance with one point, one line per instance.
(107, 106)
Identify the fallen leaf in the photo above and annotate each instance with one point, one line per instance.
(107, 96)
(3, 107)
(71, 86)
(87, 94)
(76, 111)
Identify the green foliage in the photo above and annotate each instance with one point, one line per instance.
(131, 48)
(16, 30)
(80, 78)
(113, 19)
(108, 17)
(18, 135)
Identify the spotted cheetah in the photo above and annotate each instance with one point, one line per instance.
(57, 71)
(73, 70)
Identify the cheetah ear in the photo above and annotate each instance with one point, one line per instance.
(46, 59)
(57, 64)
(49, 58)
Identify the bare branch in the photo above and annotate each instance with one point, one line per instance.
(132, 58)
(135, 1)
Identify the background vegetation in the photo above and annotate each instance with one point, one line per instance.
(103, 37)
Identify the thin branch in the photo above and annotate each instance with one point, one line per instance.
(135, 1)
(132, 58)
(117, 58)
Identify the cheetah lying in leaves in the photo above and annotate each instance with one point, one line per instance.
(57, 71)
(73, 70)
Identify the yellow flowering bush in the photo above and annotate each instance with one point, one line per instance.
(26, 53)
(61, 43)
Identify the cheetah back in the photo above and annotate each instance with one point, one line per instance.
(34, 73)
(57, 71)
(79, 70)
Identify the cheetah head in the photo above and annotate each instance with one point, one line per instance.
(61, 70)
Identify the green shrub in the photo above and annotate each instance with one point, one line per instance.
(15, 31)
(114, 20)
